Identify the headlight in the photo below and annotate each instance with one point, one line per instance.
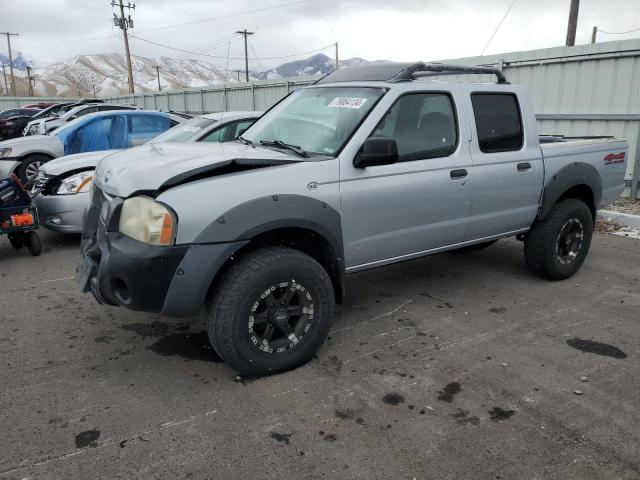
(147, 221)
(5, 152)
(78, 183)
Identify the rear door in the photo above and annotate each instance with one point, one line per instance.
(421, 203)
(507, 161)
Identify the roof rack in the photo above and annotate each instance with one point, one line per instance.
(421, 69)
(404, 72)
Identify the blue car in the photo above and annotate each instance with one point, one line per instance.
(107, 130)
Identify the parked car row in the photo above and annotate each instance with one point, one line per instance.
(61, 189)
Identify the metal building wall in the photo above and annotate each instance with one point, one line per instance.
(15, 102)
(242, 96)
(581, 90)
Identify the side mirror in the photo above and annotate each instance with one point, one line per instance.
(377, 151)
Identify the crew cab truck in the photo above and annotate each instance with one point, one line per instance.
(367, 167)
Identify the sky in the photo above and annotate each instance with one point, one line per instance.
(401, 30)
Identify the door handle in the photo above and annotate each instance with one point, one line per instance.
(523, 167)
(459, 173)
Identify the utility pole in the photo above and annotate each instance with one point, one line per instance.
(593, 34)
(158, 74)
(245, 34)
(573, 23)
(13, 79)
(337, 61)
(6, 86)
(124, 24)
(30, 81)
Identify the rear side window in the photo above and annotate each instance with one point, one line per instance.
(498, 122)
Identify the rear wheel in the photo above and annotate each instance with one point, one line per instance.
(28, 170)
(271, 311)
(556, 247)
(34, 244)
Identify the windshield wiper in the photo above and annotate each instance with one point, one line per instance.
(288, 146)
(245, 141)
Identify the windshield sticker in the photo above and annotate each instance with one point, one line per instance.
(347, 102)
(328, 150)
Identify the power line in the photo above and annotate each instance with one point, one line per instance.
(255, 10)
(245, 34)
(125, 24)
(231, 58)
(498, 27)
(221, 42)
(619, 33)
(13, 79)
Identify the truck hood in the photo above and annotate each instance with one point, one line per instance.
(74, 163)
(21, 145)
(160, 166)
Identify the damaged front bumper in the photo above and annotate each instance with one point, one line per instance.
(118, 270)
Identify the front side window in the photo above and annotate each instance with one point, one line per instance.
(184, 132)
(498, 122)
(422, 124)
(229, 132)
(319, 120)
(148, 125)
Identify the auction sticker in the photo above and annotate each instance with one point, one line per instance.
(347, 102)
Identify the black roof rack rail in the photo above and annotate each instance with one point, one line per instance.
(422, 69)
(404, 72)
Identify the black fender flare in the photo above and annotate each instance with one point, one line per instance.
(260, 215)
(234, 229)
(569, 176)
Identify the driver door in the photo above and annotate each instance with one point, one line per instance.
(422, 203)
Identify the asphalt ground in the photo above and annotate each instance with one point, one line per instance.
(447, 367)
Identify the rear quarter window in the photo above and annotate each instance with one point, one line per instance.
(498, 122)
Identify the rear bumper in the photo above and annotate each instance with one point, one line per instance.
(171, 281)
(62, 213)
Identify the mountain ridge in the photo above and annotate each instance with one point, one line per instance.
(105, 74)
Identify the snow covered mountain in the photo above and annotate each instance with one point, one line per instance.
(106, 74)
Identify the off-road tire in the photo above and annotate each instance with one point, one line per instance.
(240, 290)
(25, 166)
(542, 242)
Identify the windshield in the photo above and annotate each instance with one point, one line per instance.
(318, 120)
(184, 131)
(69, 125)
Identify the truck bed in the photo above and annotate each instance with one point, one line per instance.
(608, 155)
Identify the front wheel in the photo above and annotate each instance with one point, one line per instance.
(556, 247)
(28, 170)
(271, 311)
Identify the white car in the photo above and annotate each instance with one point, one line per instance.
(49, 124)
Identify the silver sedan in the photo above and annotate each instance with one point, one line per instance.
(61, 189)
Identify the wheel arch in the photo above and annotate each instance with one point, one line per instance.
(309, 239)
(577, 180)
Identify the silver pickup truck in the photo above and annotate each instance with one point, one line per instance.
(368, 167)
